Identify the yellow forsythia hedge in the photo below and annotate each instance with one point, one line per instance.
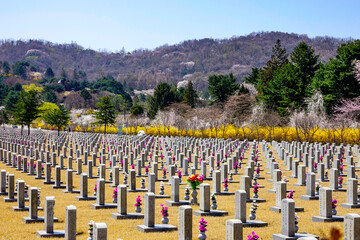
(347, 135)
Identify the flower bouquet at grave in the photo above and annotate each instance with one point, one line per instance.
(340, 181)
(179, 174)
(226, 155)
(296, 222)
(165, 214)
(226, 184)
(187, 193)
(147, 170)
(317, 188)
(256, 159)
(253, 236)
(218, 164)
(138, 204)
(322, 157)
(189, 159)
(122, 163)
(213, 200)
(256, 190)
(200, 160)
(95, 188)
(132, 166)
(202, 228)
(257, 170)
(161, 156)
(253, 209)
(333, 205)
(114, 196)
(341, 168)
(110, 175)
(142, 181)
(91, 229)
(162, 187)
(235, 166)
(173, 159)
(290, 195)
(315, 166)
(194, 181)
(164, 172)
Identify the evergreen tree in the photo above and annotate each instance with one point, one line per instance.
(163, 96)
(190, 95)
(63, 73)
(59, 117)
(336, 79)
(106, 114)
(85, 94)
(307, 63)
(6, 67)
(50, 96)
(10, 100)
(4, 117)
(254, 77)
(49, 73)
(137, 110)
(222, 86)
(27, 108)
(278, 59)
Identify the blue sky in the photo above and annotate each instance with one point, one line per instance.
(113, 24)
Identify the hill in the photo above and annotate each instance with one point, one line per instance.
(144, 69)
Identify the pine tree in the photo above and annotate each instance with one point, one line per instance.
(49, 73)
(106, 114)
(27, 108)
(58, 117)
(278, 59)
(222, 86)
(190, 95)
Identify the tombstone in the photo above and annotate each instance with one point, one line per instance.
(115, 176)
(301, 176)
(351, 194)
(289, 163)
(100, 231)
(49, 220)
(69, 182)
(69, 163)
(90, 169)
(240, 211)
(276, 178)
(216, 182)
(234, 230)
(310, 188)
(185, 223)
(288, 222)
(321, 172)
(20, 197)
(280, 195)
(48, 174)
(224, 171)
(149, 217)
(205, 203)
(3, 182)
(31, 167)
(325, 207)
(84, 189)
(295, 165)
(175, 193)
(25, 166)
(100, 196)
(154, 168)
(352, 226)
(70, 222)
(122, 206)
(11, 189)
(334, 175)
(151, 183)
(39, 170)
(79, 166)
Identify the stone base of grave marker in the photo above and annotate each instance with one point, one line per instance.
(214, 213)
(89, 198)
(58, 187)
(54, 234)
(157, 228)
(36, 220)
(309, 198)
(259, 186)
(4, 193)
(254, 223)
(104, 206)
(339, 190)
(48, 182)
(274, 191)
(161, 179)
(297, 236)
(179, 203)
(162, 196)
(278, 209)
(348, 205)
(224, 193)
(10, 199)
(257, 200)
(299, 185)
(323, 180)
(38, 178)
(119, 216)
(17, 209)
(325, 219)
(72, 191)
(137, 190)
